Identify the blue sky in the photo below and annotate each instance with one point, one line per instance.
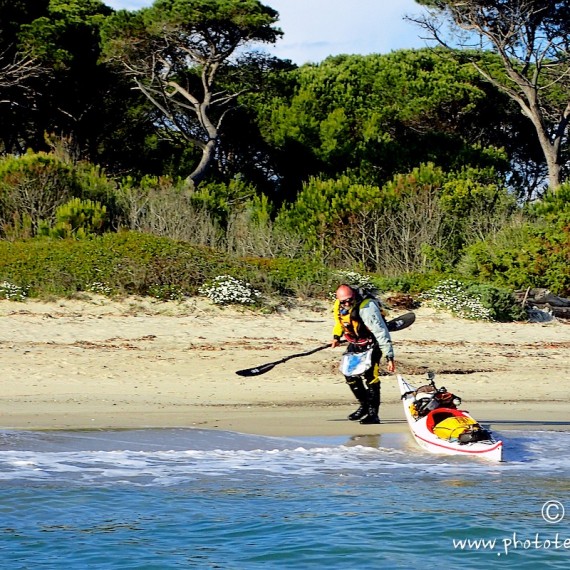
(315, 29)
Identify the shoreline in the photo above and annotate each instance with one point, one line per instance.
(281, 421)
(97, 363)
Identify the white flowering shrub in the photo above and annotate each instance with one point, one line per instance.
(227, 290)
(452, 295)
(99, 288)
(12, 292)
(355, 279)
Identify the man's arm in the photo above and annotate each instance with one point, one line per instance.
(372, 318)
(337, 329)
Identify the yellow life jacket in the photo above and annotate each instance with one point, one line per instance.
(351, 325)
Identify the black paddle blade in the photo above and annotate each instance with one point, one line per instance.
(401, 322)
(257, 370)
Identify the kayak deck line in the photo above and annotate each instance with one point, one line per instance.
(474, 451)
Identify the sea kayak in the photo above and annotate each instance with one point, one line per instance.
(440, 427)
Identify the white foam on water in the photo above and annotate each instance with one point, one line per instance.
(164, 457)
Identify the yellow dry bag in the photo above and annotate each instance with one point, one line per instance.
(451, 428)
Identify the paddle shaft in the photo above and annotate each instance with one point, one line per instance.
(263, 368)
(303, 353)
(395, 324)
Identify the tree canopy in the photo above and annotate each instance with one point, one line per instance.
(186, 57)
(177, 89)
(371, 117)
(532, 40)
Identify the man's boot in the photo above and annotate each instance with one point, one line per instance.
(356, 385)
(373, 404)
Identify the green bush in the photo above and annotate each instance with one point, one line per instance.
(554, 207)
(534, 253)
(412, 283)
(123, 263)
(33, 186)
(221, 199)
(77, 218)
(143, 264)
(289, 277)
(166, 292)
(531, 255)
(501, 304)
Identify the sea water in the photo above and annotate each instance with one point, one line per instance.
(189, 498)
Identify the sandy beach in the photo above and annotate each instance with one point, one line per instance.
(98, 363)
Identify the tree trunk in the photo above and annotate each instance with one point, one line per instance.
(208, 152)
(550, 148)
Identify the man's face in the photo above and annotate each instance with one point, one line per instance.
(346, 299)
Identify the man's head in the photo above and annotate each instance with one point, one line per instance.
(346, 296)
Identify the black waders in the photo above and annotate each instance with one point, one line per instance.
(361, 394)
(373, 404)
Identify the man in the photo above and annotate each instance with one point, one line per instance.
(360, 321)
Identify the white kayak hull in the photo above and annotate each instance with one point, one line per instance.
(491, 450)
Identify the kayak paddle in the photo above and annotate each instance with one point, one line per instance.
(396, 324)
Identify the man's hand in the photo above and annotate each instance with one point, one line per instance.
(335, 342)
(391, 366)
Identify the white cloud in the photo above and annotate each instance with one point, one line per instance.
(128, 4)
(315, 29)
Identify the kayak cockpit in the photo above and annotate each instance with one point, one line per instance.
(455, 426)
